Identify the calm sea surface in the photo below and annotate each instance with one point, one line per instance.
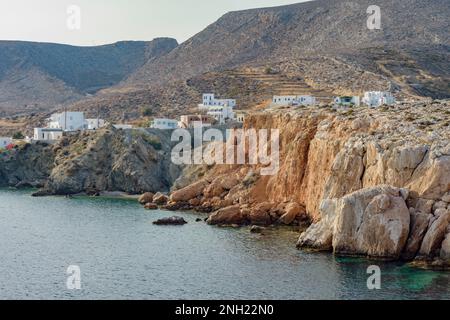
(122, 255)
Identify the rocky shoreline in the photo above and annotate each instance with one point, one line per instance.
(363, 182)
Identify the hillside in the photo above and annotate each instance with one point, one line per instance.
(289, 32)
(40, 76)
(319, 47)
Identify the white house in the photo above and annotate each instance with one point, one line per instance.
(294, 100)
(94, 124)
(347, 101)
(164, 124)
(67, 121)
(4, 142)
(221, 113)
(47, 134)
(375, 99)
(209, 100)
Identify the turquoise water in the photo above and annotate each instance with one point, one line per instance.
(122, 255)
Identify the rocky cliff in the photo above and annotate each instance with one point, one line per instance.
(373, 182)
(131, 161)
(358, 181)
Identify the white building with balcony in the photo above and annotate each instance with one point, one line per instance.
(164, 124)
(209, 100)
(376, 99)
(294, 100)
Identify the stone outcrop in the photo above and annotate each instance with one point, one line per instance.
(146, 198)
(133, 161)
(227, 216)
(160, 198)
(435, 235)
(418, 228)
(371, 222)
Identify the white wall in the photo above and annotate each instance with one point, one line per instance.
(68, 121)
(163, 124)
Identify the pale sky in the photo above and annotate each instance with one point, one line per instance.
(108, 21)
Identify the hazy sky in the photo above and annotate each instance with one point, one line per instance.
(107, 21)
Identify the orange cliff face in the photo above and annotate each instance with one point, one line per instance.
(329, 154)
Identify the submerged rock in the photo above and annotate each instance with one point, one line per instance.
(257, 229)
(151, 206)
(170, 221)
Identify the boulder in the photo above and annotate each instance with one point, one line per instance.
(151, 206)
(319, 236)
(189, 192)
(160, 198)
(370, 222)
(424, 205)
(170, 221)
(260, 214)
(418, 228)
(293, 210)
(195, 202)
(256, 229)
(446, 197)
(146, 198)
(435, 236)
(373, 222)
(445, 248)
(227, 216)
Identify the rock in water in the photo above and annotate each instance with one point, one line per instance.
(256, 229)
(418, 228)
(151, 206)
(228, 215)
(370, 222)
(146, 198)
(170, 221)
(435, 236)
(189, 192)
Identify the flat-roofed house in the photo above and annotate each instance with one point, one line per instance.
(47, 134)
(209, 100)
(164, 124)
(375, 99)
(67, 121)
